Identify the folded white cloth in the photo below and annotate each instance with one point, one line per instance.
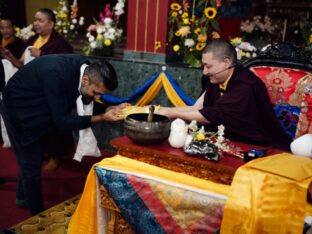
(28, 57)
(87, 144)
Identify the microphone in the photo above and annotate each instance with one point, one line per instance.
(216, 73)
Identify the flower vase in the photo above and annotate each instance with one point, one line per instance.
(107, 51)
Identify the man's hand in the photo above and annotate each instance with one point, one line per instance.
(113, 115)
(34, 52)
(118, 107)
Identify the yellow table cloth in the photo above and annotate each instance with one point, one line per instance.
(268, 195)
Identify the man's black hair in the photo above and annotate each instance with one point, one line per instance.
(221, 49)
(102, 71)
(49, 13)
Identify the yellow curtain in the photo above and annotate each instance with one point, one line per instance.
(152, 92)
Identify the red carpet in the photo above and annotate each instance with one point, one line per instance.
(67, 181)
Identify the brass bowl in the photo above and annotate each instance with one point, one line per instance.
(139, 130)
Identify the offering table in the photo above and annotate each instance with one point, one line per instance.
(165, 156)
(171, 191)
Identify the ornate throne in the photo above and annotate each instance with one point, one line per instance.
(287, 73)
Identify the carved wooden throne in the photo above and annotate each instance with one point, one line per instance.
(287, 73)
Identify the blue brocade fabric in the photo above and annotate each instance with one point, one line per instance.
(288, 117)
(122, 192)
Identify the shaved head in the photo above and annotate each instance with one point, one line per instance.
(221, 49)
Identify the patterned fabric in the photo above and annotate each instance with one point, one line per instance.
(152, 206)
(288, 117)
(305, 117)
(291, 87)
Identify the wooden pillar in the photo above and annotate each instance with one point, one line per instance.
(147, 24)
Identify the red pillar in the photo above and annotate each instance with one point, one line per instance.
(147, 24)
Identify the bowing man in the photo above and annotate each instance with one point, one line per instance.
(38, 99)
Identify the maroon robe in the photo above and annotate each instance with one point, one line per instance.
(55, 45)
(245, 110)
(16, 47)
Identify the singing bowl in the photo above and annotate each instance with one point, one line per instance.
(139, 130)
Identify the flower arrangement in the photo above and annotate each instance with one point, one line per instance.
(67, 23)
(259, 28)
(244, 49)
(25, 33)
(191, 24)
(106, 31)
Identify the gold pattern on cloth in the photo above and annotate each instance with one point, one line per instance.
(263, 199)
(53, 220)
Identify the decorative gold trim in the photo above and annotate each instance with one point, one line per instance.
(136, 25)
(146, 23)
(156, 24)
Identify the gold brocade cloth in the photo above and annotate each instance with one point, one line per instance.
(269, 195)
(173, 202)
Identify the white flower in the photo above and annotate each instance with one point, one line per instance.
(254, 55)
(111, 30)
(238, 53)
(189, 42)
(88, 34)
(247, 54)
(106, 35)
(108, 21)
(74, 21)
(111, 37)
(65, 31)
(93, 44)
(99, 30)
(81, 18)
(119, 6)
(118, 32)
(119, 12)
(72, 27)
(91, 38)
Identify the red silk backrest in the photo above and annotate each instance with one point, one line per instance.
(289, 86)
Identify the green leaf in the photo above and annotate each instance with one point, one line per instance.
(192, 60)
(170, 35)
(215, 24)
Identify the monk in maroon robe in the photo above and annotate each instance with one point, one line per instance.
(234, 97)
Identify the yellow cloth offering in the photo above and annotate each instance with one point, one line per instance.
(136, 109)
(268, 195)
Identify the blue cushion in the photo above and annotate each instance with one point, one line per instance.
(288, 117)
